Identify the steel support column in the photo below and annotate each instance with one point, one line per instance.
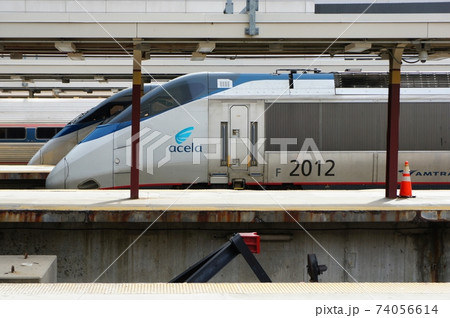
(395, 61)
(135, 124)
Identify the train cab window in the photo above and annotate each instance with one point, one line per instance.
(175, 94)
(109, 108)
(105, 112)
(170, 95)
(13, 133)
(47, 132)
(116, 109)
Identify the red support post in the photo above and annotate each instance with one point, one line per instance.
(135, 125)
(393, 122)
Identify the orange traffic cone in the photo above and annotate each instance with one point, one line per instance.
(405, 185)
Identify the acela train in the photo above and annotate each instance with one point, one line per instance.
(81, 126)
(268, 129)
(26, 124)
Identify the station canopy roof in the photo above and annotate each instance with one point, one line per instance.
(83, 30)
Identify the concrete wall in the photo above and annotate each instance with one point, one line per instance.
(382, 252)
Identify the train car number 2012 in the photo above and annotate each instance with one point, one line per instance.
(307, 167)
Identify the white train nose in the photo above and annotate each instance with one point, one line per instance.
(56, 178)
(36, 159)
(87, 166)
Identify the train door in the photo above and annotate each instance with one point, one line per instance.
(237, 129)
(122, 163)
(238, 140)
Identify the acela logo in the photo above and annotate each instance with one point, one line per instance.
(181, 137)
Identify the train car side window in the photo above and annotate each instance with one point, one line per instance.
(47, 132)
(12, 133)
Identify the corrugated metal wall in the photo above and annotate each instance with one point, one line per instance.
(348, 126)
(425, 126)
(357, 126)
(381, 80)
(289, 120)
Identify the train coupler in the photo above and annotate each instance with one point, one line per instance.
(238, 184)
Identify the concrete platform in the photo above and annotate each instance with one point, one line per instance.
(24, 176)
(18, 172)
(248, 291)
(221, 206)
(32, 269)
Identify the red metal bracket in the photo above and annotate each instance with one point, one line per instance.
(252, 240)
